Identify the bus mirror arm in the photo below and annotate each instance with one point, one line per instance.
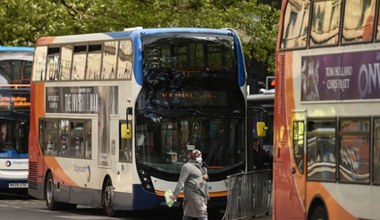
(128, 111)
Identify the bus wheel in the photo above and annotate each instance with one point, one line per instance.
(49, 196)
(107, 196)
(49, 192)
(319, 213)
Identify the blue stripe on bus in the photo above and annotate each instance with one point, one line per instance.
(16, 48)
(137, 58)
(120, 34)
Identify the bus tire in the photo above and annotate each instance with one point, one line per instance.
(49, 192)
(319, 213)
(49, 196)
(107, 198)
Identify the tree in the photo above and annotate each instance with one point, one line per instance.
(24, 22)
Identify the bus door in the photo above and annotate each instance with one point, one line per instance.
(298, 191)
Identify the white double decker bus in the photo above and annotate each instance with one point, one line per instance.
(15, 72)
(112, 114)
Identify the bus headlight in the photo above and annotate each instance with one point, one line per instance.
(145, 180)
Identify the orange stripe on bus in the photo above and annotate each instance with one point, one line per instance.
(45, 40)
(53, 164)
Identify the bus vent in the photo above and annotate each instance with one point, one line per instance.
(280, 87)
(32, 175)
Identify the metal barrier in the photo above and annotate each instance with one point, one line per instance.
(249, 195)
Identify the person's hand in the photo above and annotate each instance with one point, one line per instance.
(205, 177)
(173, 197)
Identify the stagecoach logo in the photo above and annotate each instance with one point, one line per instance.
(8, 163)
(83, 169)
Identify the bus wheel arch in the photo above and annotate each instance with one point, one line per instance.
(107, 197)
(318, 210)
(49, 195)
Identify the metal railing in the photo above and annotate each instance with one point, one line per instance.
(249, 195)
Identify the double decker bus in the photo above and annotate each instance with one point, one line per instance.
(112, 115)
(15, 72)
(327, 119)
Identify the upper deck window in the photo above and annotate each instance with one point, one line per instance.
(189, 54)
(53, 63)
(79, 62)
(14, 70)
(124, 60)
(66, 59)
(358, 20)
(111, 59)
(296, 22)
(325, 23)
(39, 63)
(94, 61)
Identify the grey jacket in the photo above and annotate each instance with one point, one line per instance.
(194, 188)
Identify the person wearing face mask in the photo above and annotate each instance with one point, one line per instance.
(193, 179)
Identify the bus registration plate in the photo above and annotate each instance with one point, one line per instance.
(18, 185)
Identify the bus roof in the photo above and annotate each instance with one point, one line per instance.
(123, 34)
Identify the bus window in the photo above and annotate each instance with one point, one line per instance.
(358, 24)
(354, 150)
(376, 152)
(51, 137)
(39, 66)
(325, 23)
(109, 60)
(77, 140)
(94, 60)
(296, 20)
(79, 62)
(87, 142)
(63, 146)
(321, 150)
(298, 144)
(66, 59)
(124, 60)
(53, 57)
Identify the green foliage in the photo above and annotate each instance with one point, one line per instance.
(24, 22)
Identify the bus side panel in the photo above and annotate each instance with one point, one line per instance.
(334, 209)
(13, 172)
(87, 196)
(143, 199)
(286, 186)
(36, 176)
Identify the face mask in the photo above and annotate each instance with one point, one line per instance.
(198, 159)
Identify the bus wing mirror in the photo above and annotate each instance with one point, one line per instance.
(261, 129)
(126, 131)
